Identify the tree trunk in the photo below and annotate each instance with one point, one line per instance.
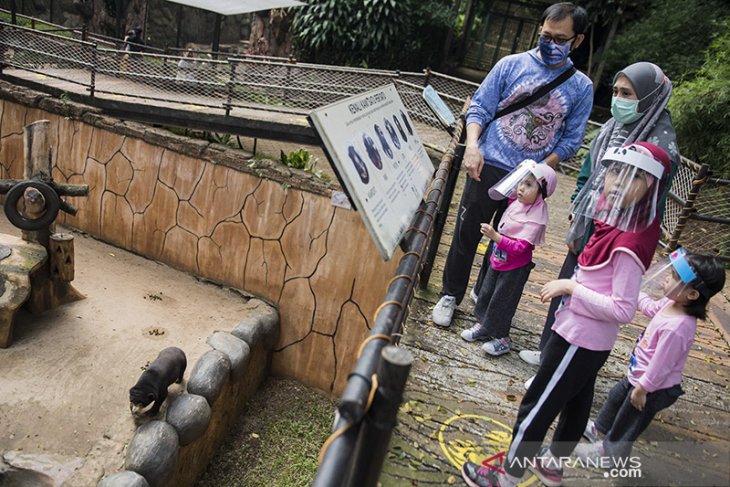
(270, 33)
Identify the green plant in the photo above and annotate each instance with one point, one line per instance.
(701, 107)
(374, 33)
(302, 159)
(672, 33)
(223, 139)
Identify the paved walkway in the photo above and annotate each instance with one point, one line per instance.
(460, 404)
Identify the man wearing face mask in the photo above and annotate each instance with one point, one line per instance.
(549, 129)
(641, 92)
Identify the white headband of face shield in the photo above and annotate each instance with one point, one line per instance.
(628, 155)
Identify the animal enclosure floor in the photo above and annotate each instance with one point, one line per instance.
(65, 379)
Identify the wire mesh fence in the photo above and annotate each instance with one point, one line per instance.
(204, 79)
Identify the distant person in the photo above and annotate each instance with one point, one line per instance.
(186, 66)
(654, 376)
(133, 41)
(548, 130)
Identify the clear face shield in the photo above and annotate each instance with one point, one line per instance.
(507, 186)
(671, 276)
(623, 190)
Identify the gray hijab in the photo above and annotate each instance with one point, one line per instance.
(653, 89)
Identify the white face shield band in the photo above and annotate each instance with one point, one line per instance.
(671, 276)
(623, 191)
(507, 186)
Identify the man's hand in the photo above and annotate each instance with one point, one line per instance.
(489, 232)
(638, 397)
(558, 287)
(473, 162)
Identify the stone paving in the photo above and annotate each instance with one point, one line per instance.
(460, 404)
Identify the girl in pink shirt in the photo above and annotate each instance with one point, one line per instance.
(621, 197)
(521, 228)
(654, 375)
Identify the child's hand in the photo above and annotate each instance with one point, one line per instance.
(489, 232)
(638, 397)
(557, 288)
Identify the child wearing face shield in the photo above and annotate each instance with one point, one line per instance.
(675, 294)
(641, 92)
(520, 229)
(602, 294)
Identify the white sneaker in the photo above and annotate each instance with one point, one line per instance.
(443, 312)
(589, 452)
(532, 357)
(591, 432)
(528, 383)
(476, 332)
(473, 295)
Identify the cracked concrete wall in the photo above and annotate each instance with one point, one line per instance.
(199, 207)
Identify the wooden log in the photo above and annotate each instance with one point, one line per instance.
(62, 189)
(37, 165)
(61, 253)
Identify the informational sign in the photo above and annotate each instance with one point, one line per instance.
(438, 106)
(373, 146)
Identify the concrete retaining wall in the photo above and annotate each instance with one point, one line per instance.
(255, 225)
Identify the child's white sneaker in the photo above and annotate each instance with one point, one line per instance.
(473, 295)
(590, 453)
(532, 357)
(443, 312)
(497, 346)
(591, 432)
(476, 332)
(528, 382)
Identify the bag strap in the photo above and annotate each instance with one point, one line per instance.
(544, 90)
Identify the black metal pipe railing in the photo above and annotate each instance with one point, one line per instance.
(337, 460)
(441, 214)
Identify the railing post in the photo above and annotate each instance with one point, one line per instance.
(697, 183)
(287, 80)
(441, 214)
(94, 60)
(427, 79)
(229, 88)
(377, 429)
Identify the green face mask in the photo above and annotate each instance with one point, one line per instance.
(625, 110)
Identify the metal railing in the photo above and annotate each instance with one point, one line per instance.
(354, 453)
(241, 81)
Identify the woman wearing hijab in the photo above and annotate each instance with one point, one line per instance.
(641, 92)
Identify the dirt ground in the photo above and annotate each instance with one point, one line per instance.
(64, 406)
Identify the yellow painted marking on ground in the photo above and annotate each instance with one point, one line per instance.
(195, 107)
(494, 440)
(41, 76)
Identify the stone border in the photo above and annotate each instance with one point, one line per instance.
(176, 450)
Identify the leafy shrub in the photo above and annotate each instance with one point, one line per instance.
(673, 34)
(301, 159)
(701, 109)
(373, 33)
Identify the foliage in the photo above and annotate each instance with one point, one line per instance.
(374, 33)
(301, 159)
(672, 33)
(701, 109)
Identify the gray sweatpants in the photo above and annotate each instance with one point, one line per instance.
(499, 296)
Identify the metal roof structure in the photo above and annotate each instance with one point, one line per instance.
(235, 7)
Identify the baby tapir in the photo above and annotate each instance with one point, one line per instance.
(168, 367)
